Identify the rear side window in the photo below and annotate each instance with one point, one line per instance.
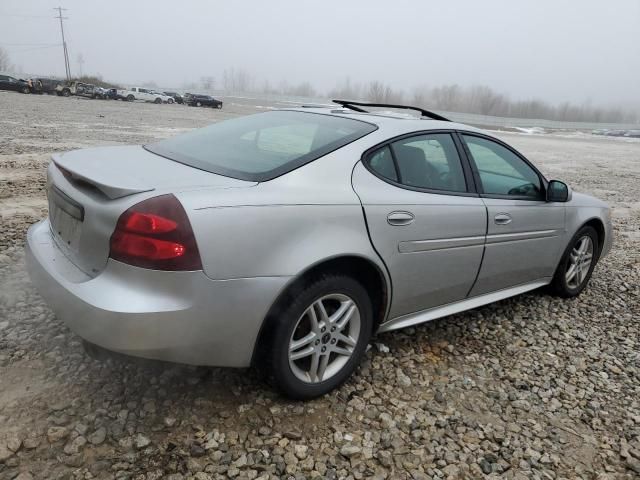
(262, 146)
(429, 162)
(382, 162)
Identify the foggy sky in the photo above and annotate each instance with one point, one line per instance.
(553, 50)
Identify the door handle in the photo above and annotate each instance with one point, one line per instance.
(502, 219)
(400, 218)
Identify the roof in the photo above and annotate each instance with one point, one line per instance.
(389, 120)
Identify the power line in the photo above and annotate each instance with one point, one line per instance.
(29, 49)
(22, 16)
(64, 43)
(30, 44)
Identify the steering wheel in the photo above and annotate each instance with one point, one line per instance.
(527, 189)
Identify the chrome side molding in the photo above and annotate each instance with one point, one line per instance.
(456, 307)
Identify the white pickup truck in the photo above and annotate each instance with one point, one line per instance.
(138, 93)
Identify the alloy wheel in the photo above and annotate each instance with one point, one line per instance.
(579, 263)
(324, 338)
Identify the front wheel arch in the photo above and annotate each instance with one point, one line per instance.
(598, 226)
(361, 269)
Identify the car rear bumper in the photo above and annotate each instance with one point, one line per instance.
(182, 317)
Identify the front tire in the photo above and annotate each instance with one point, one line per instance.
(157, 101)
(320, 337)
(26, 90)
(198, 104)
(577, 264)
(130, 98)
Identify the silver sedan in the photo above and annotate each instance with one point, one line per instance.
(287, 239)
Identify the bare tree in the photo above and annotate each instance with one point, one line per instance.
(238, 80)
(208, 82)
(5, 64)
(347, 90)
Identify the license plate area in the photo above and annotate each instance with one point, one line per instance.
(66, 217)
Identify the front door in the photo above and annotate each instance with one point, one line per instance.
(423, 220)
(525, 234)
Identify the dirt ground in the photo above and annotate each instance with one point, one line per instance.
(531, 387)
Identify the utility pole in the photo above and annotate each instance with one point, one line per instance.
(64, 43)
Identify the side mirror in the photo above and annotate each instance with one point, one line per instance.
(558, 191)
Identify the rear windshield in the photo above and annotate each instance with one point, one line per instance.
(262, 146)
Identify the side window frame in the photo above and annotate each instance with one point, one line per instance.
(476, 174)
(462, 155)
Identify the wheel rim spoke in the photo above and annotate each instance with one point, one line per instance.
(324, 318)
(343, 351)
(302, 342)
(347, 340)
(313, 318)
(301, 353)
(571, 272)
(313, 368)
(322, 367)
(343, 315)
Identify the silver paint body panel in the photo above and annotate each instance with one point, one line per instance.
(255, 239)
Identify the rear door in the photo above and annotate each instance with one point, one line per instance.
(424, 218)
(524, 232)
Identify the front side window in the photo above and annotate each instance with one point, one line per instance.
(429, 162)
(262, 146)
(501, 171)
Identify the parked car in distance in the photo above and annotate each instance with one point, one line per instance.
(112, 94)
(17, 85)
(615, 133)
(99, 92)
(286, 239)
(140, 93)
(79, 89)
(632, 134)
(176, 97)
(44, 85)
(600, 131)
(197, 100)
(164, 97)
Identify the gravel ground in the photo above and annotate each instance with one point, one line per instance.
(530, 387)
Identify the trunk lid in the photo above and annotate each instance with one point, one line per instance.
(89, 189)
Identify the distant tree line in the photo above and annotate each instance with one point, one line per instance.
(452, 98)
(482, 100)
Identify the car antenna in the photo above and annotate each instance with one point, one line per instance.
(355, 106)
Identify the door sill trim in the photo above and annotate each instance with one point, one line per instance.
(460, 306)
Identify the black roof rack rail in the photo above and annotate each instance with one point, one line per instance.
(355, 106)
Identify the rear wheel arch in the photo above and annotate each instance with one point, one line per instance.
(361, 269)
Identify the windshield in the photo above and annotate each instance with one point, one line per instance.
(262, 146)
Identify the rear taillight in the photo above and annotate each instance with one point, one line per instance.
(156, 234)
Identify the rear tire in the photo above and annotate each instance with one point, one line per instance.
(319, 338)
(130, 98)
(26, 90)
(198, 104)
(66, 93)
(577, 264)
(157, 101)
